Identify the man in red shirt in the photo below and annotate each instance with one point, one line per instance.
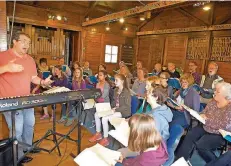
(17, 71)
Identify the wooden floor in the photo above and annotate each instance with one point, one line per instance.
(66, 147)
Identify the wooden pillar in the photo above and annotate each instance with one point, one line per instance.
(3, 47)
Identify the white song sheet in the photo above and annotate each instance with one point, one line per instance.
(97, 155)
(121, 133)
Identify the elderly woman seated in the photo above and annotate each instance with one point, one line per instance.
(206, 138)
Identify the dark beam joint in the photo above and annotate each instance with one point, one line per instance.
(187, 14)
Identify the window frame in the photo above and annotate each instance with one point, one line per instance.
(111, 55)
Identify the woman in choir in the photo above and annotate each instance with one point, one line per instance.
(77, 84)
(104, 86)
(125, 71)
(145, 139)
(187, 96)
(139, 85)
(205, 139)
(121, 106)
(77, 80)
(60, 80)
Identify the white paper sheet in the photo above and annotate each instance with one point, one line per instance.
(116, 121)
(180, 162)
(194, 114)
(103, 109)
(121, 133)
(97, 155)
(90, 103)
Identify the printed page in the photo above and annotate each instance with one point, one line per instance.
(90, 103)
(116, 121)
(97, 155)
(57, 89)
(194, 114)
(180, 162)
(103, 109)
(121, 133)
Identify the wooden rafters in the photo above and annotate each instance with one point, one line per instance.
(187, 14)
(147, 21)
(91, 7)
(134, 11)
(185, 30)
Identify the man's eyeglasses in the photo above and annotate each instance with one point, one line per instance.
(24, 42)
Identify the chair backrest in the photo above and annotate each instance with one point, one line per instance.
(134, 104)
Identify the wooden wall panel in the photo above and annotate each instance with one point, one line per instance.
(94, 49)
(224, 70)
(3, 31)
(175, 50)
(144, 52)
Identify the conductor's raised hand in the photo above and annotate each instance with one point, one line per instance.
(13, 67)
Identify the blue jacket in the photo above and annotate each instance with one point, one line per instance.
(162, 116)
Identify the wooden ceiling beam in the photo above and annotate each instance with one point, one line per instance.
(91, 7)
(48, 23)
(185, 30)
(147, 21)
(189, 15)
(134, 11)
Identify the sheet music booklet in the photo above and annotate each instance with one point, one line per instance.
(103, 109)
(194, 114)
(97, 155)
(181, 162)
(121, 133)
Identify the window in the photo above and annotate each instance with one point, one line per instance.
(111, 54)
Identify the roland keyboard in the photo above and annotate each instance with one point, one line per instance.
(42, 99)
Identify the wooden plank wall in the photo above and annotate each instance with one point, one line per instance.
(176, 45)
(94, 49)
(3, 47)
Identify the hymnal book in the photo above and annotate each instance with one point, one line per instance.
(121, 133)
(64, 68)
(97, 155)
(194, 114)
(225, 134)
(181, 162)
(88, 104)
(46, 74)
(116, 121)
(103, 109)
(174, 103)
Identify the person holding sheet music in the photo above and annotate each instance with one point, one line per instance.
(121, 106)
(193, 70)
(138, 66)
(145, 139)
(77, 83)
(86, 69)
(208, 83)
(157, 69)
(60, 80)
(206, 138)
(188, 96)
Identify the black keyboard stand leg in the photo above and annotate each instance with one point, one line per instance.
(54, 131)
(15, 142)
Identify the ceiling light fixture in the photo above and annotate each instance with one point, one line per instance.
(206, 8)
(121, 20)
(58, 17)
(142, 18)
